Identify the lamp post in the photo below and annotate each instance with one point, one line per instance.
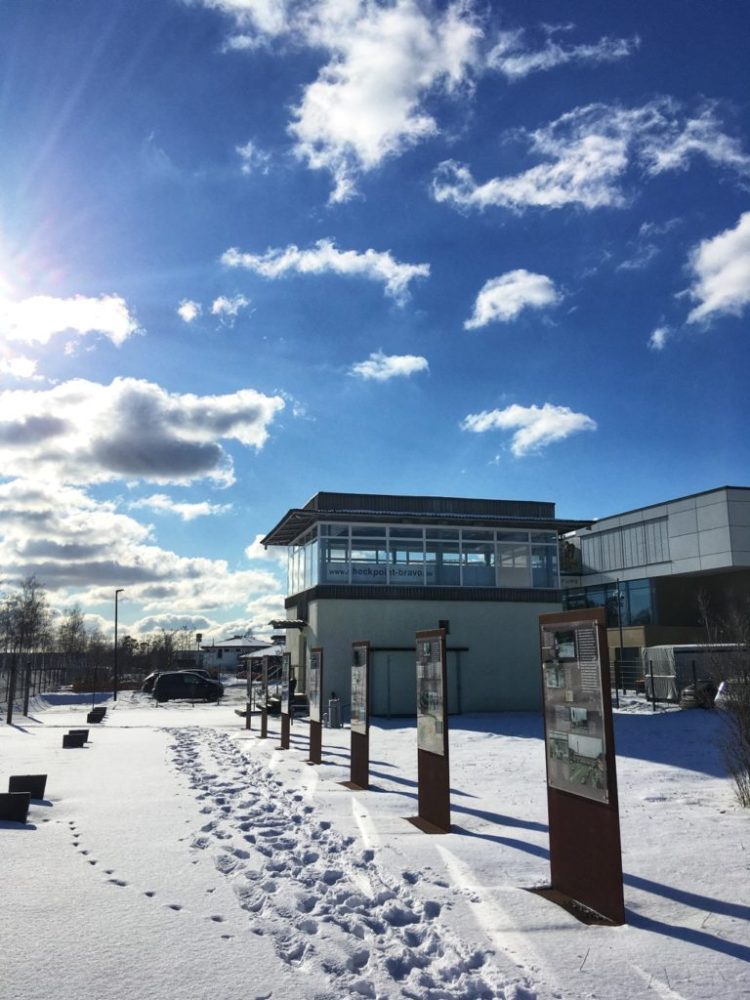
(618, 660)
(116, 676)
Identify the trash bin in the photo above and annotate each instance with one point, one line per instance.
(334, 713)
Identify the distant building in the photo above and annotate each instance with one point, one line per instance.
(225, 654)
(374, 567)
(652, 568)
(271, 654)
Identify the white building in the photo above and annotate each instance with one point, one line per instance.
(379, 568)
(224, 656)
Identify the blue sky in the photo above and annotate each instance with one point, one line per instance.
(253, 249)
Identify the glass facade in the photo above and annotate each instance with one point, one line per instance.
(636, 600)
(396, 555)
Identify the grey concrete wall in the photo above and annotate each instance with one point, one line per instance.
(498, 672)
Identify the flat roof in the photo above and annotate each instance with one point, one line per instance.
(379, 508)
(665, 503)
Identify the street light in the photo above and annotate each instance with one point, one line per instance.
(618, 659)
(116, 678)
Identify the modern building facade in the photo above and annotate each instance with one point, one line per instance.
(379, 568)
(656, 569)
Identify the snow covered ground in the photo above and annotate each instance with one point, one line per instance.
(178, 856)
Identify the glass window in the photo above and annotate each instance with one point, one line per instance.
(514, 565)
(477, 535)
(335, 566)
(641, 605)
(407, 532)
(544, 566)
(449, 534)
(406, 563)
(368, 531)
(311, 564)
(543, 538)
(615, 604)
(334, 529)
(573, 600)
(513, 536)
(595, 597)
(443, 567)
(369, 562)
(478, 560)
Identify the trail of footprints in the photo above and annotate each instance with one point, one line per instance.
(322, 900)
(121, 883)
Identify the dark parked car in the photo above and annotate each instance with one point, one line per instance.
(184, 684)
(148, 682)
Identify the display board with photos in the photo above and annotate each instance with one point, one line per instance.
(431, 707)
(314, 680)
(359, 707)
(286, 670)
(574, 709)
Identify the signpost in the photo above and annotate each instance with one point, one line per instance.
(359, 759)
(264, 703)
(432, 733)
(314, 695)
(286, 669)
(584, 823)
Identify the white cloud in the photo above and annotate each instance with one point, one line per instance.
(325, 258)
(535, 426)
(81, 548)
(256, 552)
(256, 20)
(193, 624)
(265, 609)
(673, 148)
(224, 306)
(254, 160)
(721, 273)
(382, 367)
(186, 511)
(19, 367)
(84, 432)
(659, 337)
(640, 258)
(189, 310)
(501, 299)
(587, 155)
(512, 58)
(37, 319)
(368, 102)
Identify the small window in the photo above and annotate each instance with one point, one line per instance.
(407, 533)
(448, 534)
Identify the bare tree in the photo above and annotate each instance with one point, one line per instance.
(26, 624)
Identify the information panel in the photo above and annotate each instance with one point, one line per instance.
(286, 666)
(314, 684)
(431, 695)
(359, 708)
(574, 709)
